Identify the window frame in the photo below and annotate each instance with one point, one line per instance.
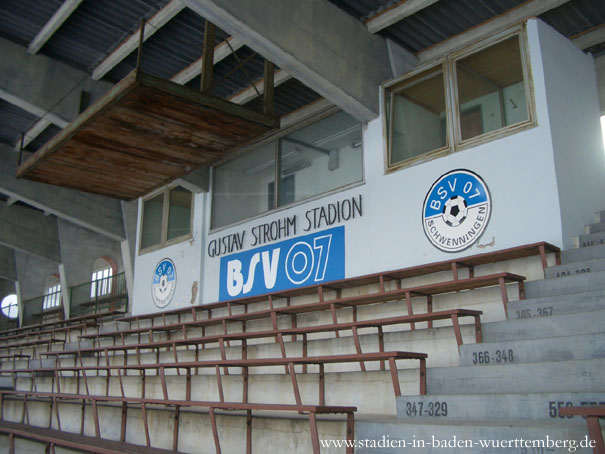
(52, 294)
(400, 85)
(276, 139)
(454, 141)
(164, 241)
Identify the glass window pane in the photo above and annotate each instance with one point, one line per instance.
(320, 157)
(491, 92)
(152, 221)
(241, 186)
(418, 123)
(179, 214)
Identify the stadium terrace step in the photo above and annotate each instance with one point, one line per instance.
(495, 407)
(7, 382)
(574, 269)
(114, 326)
(43, 363)
(528, 351)
(544, 327)
(82, 344)
(577, 376)
(566, 285)
(465, 438)
(582, 254)
(548, 306)
(594, 228)
(599, 216)
(593, 239)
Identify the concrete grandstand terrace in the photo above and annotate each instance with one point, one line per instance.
(227, 384)
(391, 103)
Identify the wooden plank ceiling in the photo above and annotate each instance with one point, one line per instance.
(144, 133)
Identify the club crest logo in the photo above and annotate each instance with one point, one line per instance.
(456, 210)
(163, 283)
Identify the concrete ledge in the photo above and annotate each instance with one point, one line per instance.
(564, 376)
(556, 305)
(469, 408)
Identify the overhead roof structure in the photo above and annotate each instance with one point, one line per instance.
(99, 38)
(143, 134)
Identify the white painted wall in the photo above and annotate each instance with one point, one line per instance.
(573, 109)
(530, 186)
(186, 256)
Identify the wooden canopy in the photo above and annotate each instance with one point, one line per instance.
(144, 133)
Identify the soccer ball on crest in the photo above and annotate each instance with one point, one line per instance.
(455, 211)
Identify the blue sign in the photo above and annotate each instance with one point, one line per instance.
(456, 210)
(298, 262)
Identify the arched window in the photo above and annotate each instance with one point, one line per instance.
(52, 292)
(101, 282)
(10, 307)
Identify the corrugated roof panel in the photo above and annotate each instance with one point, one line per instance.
(13, 122)
(22, 20)
(443, 20)
(172, 48)
(96, 28)
(289, 96)
(575, 16)
(361, 9)
(228, 79)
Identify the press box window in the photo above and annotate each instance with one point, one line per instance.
(491, 89)
(487, 86)
(166, 218)
(418, 120)
(318, 158)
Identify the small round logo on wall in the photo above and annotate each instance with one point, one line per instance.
(163, 283)
(456, 210)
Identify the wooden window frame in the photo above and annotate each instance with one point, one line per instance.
(164, 242)
(454, 142)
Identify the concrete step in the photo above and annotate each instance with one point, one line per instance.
(572, 324)
(536, 350)
(76, 345)
(46, 363)
(550, 377)
(582, 254)
(7, 382)
(495, 407)
(574, 269)
(381, 436)
(113, 327)
(594, 228)
(556, 305)
(566, 285)
(589, 240)
(599, 216)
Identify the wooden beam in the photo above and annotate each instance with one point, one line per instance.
(531, 8)
(161, 18)
(269, 89)
(208, 58)
(221, 51)
(249, 93)
(589, 38)
(55, 22)
(395, 13)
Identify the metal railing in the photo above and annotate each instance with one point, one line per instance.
(99, 295)
(7, 322)
(43, 308)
